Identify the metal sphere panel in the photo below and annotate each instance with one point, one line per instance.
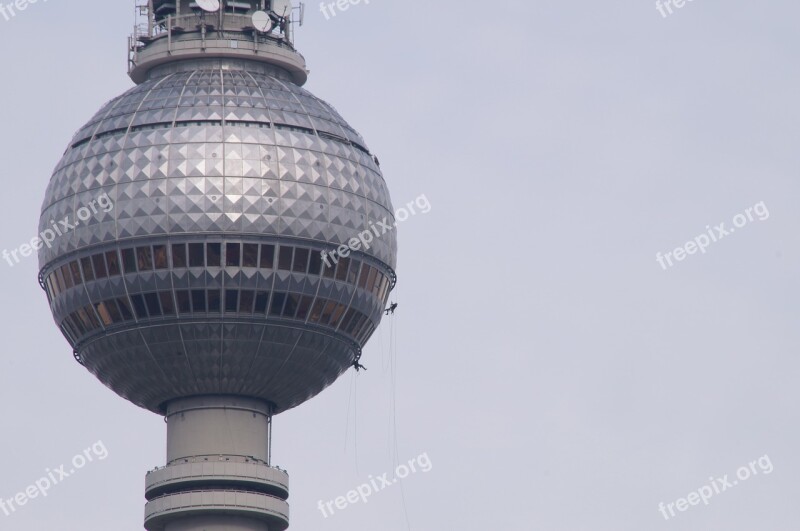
(261, 176)
(170, 165)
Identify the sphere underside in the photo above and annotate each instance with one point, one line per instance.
(189, 219)
(280, 364)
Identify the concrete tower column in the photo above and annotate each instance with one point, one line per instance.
(217, 476)
(218, 426)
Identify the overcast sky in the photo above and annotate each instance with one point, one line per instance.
(556, 376)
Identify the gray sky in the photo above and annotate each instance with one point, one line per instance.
(556, 376)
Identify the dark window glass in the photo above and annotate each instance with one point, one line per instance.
(362, 279)
(49, 288)
(362, 325)
(261, 302)
(92, 317)
(99, 266)
(246, 301)
(67, 330)
(366, 332)
(53, 286)
(327, 312)
(112, 259)
(300, 260)
(214, 255)
(74, 326)
(316, 311)
(277, 303)
(86, 265)
(113, 311)
(179, 255)
(182, 297)
(69, 281)
(160, 257)
(385, 288)
(196, 255)
(375, 285)
(337, 315)
(352, 276)
(370, 330)
(285, 258)
(233, 255)
(166, 302)
(329, 272)
(61, 280)
(81, 321)
(351, 326)
(125, 308)
(144, 258)
(102, 311)
(341, 272)
(139, 307)
(379, 284)
(358, 324)
(213, 300)
(380, 287)
(76, 272)
(291, 305)
(198, 300)
(315, 266)
(250, 255)
(69, 324)
(152, 304)
(267, 256)
(347, 318)
(56, 281)
(66, 274)
(129, 260)
(77, 324)
(231, 300)
(304, 306)
(51, 283)
(373, 274)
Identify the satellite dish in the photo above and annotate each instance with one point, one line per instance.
(208, 5)
(282, 8)
(261, 21)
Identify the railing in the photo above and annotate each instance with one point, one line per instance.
(171, 26)
(191, 21)
(258, 477)
(166, 506)
(217, 458)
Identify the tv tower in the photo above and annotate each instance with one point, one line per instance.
(202, 295)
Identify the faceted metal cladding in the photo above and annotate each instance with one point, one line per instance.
(217, 152)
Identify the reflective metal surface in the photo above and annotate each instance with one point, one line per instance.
(208, 151)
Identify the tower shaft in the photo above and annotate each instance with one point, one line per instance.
(218, 476)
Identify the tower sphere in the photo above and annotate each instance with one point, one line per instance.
(189, 217)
